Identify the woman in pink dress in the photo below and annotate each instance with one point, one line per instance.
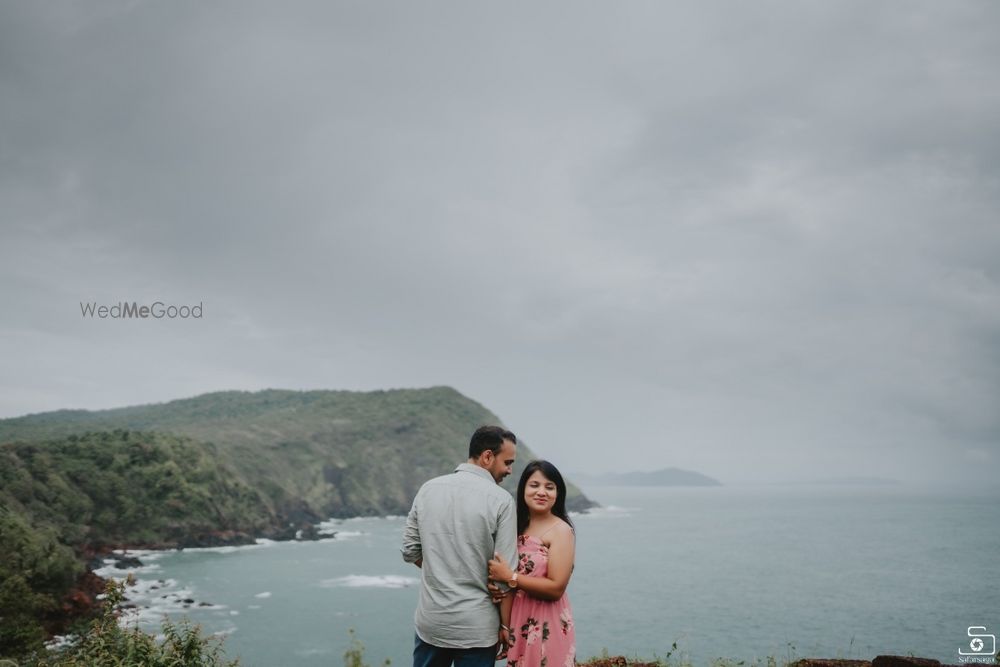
(541, 621)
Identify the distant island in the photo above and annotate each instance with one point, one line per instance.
(664, 477)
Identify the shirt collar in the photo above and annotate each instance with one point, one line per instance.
(476, 470)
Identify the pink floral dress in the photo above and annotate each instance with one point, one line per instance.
(542, 629)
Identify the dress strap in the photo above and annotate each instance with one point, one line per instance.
(550, 528)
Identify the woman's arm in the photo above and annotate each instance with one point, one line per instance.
(562, 548)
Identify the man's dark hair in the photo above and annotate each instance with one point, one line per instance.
(489, 437)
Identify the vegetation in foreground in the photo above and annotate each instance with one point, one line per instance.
(106, 643)
(674, 658)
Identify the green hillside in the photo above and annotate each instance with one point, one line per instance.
(310, 454)
(62, 500)
(109, 488)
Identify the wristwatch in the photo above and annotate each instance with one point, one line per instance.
(513, 581)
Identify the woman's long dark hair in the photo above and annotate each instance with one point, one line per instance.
(551, 473)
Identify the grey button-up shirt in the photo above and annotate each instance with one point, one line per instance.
(456, 524)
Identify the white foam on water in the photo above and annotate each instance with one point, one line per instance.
(609, 512)
(141, 554)
(227, 631)
(228, 549)
(259, 543)
(332, 527)
(154, 612)
(369, 581)
(349, 534)
(110, 570)
(254, 606)
(264, 595)
(148, 601)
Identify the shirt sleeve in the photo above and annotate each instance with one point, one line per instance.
(412, 551)
(506, 538)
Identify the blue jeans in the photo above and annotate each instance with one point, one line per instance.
(428, 655)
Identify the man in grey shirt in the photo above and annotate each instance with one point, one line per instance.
(457, 522)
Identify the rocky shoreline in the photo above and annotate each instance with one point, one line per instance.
(82, 600)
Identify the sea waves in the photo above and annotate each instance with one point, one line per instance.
(370, 581)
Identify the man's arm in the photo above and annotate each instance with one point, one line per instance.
(506, 539)
(506, 545)
(412, 551)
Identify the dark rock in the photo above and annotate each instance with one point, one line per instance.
(282, 534)
(302, 531)
(219, 538)
(826, 662)
(579, 503)
(903, 661)
(126, 562)
(308, 533)
(618, 661)
(80, 602)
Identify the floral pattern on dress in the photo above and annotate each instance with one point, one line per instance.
(566, 620)
(535, 641)
(525, 564)
(530, 631)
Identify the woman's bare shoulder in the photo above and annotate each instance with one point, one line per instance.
(562, 530)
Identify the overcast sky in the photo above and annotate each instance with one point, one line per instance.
(757, 240)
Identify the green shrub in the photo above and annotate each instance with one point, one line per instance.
(108, 644)
(354, 656)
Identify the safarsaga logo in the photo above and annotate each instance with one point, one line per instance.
(125, 310)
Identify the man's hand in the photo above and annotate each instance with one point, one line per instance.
(503, 643)
(495, 593)
(499, 569)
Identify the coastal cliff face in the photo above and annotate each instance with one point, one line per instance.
(307, 455)
(222, 468)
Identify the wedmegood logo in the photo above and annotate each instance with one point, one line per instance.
(981, 647)
(124, 310)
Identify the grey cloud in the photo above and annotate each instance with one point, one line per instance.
(756, 239)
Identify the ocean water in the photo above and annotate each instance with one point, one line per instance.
(738, 572)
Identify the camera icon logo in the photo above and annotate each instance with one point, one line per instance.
(982, 643)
